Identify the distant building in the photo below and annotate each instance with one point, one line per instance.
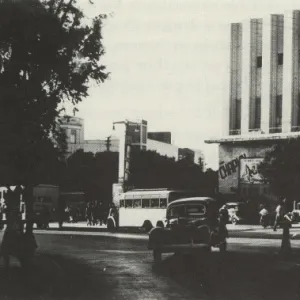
(163, 148)
(136, 135)
(160, 136)
(74, 130)
(194, 156)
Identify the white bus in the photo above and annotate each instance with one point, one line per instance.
(143, 208)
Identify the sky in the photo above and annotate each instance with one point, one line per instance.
(169, 64)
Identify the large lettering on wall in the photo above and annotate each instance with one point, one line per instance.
(228, 168)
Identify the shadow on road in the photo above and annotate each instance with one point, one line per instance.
(54, 277)
(234, 275)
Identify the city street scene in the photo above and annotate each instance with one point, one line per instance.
(149, 149)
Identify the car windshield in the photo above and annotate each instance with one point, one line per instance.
(186, 211)
(195, 210)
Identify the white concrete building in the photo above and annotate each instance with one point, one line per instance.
(163, 148)
(264, 99)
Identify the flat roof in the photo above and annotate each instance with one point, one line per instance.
(253, 137)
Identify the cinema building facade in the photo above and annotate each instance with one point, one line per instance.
(263, 107)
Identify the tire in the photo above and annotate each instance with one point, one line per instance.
(110, 225)
(156, 255)
(147, 225)
(160, 224)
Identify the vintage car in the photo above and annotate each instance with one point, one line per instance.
(192, 225)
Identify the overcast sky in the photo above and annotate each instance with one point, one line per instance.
(169, 64)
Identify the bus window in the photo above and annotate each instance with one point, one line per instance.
(163, 203)
(145, 203)
(122, 203)
(128, 203)
(155, 203)
(137, 203)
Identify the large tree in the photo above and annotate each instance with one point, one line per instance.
(48, 55)
(281, 168)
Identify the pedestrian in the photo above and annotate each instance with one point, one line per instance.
(279, 213)
(89, 214)
(224, 215)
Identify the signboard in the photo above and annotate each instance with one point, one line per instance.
(249, 171)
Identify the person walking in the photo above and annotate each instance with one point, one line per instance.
(279, 214)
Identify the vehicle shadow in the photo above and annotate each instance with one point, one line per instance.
(53, 277)
(233, 275)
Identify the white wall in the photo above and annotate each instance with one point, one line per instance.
(163, 148)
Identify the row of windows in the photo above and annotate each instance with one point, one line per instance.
(144, 203)
(279, 60)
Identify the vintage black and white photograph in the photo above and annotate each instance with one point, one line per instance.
(149, 149)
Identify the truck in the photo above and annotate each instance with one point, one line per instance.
(45, 204)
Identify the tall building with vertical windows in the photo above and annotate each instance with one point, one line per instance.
(264, 99)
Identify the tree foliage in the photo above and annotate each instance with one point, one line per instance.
(281, 168)
(152, 170)
(95, 173)
(48, 55)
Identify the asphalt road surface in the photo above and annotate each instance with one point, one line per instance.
(99, 266)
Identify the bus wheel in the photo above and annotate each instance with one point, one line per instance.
(160, 224)
(147, 225)
(110, 225)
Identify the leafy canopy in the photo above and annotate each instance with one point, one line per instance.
(48, 55)
(281, 168)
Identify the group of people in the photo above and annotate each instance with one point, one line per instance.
(281, 214)
(95, 213)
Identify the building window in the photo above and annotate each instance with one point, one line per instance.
(280, 59)
(257, 113)
(259, 61)
(73, 137)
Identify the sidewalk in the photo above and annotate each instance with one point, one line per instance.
(243, 231)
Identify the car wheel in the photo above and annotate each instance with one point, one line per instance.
(157, 255)
(110, 225)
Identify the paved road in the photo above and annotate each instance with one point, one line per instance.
(101, 266)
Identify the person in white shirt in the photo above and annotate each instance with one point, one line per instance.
(279, 214)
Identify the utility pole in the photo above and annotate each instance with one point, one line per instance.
(108, 143)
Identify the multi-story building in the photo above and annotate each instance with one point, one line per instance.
(160, 136)
(264, 99)
(136, 132)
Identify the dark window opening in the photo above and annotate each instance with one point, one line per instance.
(238, 114)
(257, 113)
(278, 111)
(259, 61)
(73, 138)
(280, 59)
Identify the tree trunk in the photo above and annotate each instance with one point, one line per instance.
(28, 199)
(286, 248)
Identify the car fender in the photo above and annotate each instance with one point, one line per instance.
(156, 237)
(205, 231)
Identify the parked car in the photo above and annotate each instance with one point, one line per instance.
(192, 225)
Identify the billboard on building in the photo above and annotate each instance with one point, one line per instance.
(249, 171)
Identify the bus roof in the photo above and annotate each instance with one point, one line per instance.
(153, 192)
